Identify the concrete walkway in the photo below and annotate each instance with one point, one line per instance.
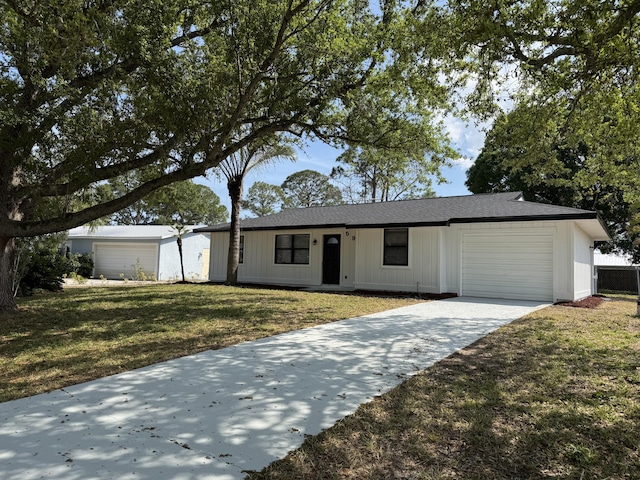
(218, 414)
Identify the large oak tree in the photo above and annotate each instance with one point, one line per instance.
(94, 90)
(530, 152)
(571, 68)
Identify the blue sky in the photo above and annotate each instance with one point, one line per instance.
(468, 140)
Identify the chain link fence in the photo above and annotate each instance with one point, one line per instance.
(617, 279)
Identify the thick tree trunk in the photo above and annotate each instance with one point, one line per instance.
(7, 251)
(233, 259)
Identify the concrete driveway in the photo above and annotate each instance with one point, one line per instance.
(218, 414)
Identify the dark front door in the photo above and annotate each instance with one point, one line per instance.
(331, 260)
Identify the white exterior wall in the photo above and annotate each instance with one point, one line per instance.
(582, 265)
(193, 245)
(259, 258)
(422, 273)
(218, 256)
(435, 258)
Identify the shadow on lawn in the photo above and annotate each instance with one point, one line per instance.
(83, 333)
(238, 408)
(529, 401)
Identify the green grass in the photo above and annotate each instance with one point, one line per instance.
(553, 395)
(80, 334)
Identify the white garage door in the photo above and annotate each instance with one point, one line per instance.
(111, 259)
(508, 265)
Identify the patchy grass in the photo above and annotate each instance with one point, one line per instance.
(553, 395)
(81, 334)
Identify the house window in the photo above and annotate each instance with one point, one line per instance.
(396, 246)
(241, 249)
(292, 249)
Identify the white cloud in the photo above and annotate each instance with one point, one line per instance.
(464, 163)
(455, 128)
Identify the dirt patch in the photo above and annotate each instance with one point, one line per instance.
(589, 302)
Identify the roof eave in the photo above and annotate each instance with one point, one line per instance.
(528, 218)
(89, 237)
(501, 219)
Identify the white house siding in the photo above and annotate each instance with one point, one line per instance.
(583, 264)
(218, 256)
(555, 252)
(348, 258)
(193, 245)
(422, 273)
(259, 258)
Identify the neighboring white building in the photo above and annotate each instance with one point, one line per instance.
(612, 260)
(490, 245)
(121, 249)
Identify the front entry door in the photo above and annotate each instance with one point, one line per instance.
(331, 260)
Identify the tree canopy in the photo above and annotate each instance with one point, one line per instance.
(570, 68)
(181, 203)
(309, 188)
(263, 199)
(95, 90)
(92, 91)
(556, 46)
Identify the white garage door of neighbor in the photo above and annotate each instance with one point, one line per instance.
(111, 259)
(508, 265)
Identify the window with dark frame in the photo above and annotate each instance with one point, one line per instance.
(292, 249)
(241, 249)
(396, 246)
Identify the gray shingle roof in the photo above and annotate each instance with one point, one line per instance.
(495, 207)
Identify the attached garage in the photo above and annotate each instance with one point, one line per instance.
(113, 260)
(489, 245)
(508, 265)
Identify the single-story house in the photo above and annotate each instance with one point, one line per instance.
(119, 250)
(489, 245)
(615, 272)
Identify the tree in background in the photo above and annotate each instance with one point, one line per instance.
(531, 152)
(94, 91)
(183, 203)
(309, 188)
(374, 175)
(234, 169)
(263, 199)
(180, 230)
(571, 70)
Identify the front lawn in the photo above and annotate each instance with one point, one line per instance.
(80, 334)
(553, 395)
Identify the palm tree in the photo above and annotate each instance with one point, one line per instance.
(234, 169)
(180, 231)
